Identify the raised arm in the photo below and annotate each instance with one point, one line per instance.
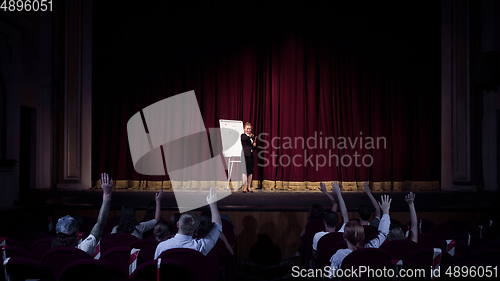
(343, 208)
(366, 189)
(212, 202)
(322, 188)
(410, 198)
(383, 227)
(158, 205)
(107, 189)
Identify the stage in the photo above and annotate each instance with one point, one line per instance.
(268, 200)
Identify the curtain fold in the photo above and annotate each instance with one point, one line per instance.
(333, 92)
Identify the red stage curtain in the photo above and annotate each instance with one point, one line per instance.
(330, 69)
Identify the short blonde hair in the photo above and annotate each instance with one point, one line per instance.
(248, 124)
(188, 223)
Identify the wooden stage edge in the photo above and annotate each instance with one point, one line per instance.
(269, 200)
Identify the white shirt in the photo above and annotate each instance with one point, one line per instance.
(320, 234)
(140, 228)
(88, 245)
(251, 140)
(383, 230)
(202, 245)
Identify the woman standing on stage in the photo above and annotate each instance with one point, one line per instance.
(248, 144)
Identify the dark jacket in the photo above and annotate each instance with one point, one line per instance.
(247, 145)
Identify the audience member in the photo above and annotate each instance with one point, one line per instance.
(331, 218)
(354, 234)
(174, 218)
(365, 213)
(395, 231)
(128, 221)
(67, 227)
(161, 230)
(187, 225)
(206, 225)
(316, 212)
(150, 214)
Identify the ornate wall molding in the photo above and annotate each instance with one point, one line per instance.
(77, 93)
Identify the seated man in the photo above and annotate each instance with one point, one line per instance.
(67, 227)
(331, 218)
(187, 224)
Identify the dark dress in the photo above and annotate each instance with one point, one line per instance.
(248, 148)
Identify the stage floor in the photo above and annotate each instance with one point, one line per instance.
(269, 200)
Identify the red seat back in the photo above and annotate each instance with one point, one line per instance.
(417, 271)
(24, 268)
(120, 256)
(368, 257)
(424, 257)
(90, 269)
(171, 270)
(106, 244)
(58, 258)
(29, 238)
(216, 257)
(11, 251)
(196, 261)
(327, 246)
(122, 239)
(400, 249)
(41, 246)
(461, 249)
(147, 246)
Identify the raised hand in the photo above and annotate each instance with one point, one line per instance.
(107, 188)
(336, 187)
(212, 197)
(106, 184)
(386, 204)
(410, 198)
(322, 187)
(158, 195)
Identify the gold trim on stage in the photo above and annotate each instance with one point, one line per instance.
(276, 185)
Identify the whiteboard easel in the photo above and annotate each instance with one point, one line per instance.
(231, 143)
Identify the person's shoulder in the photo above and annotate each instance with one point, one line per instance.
(217, 226)
(375, 222)
(340, 254)
(343, 251)
(320, 234)
(164, 243)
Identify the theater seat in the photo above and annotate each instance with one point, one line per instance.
(170, 270)
(90, 269)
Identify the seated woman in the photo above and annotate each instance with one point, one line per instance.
(395, 231)
(206, 225)
(162, 230)
(128, 223)
(174, 219)
(354, 234)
